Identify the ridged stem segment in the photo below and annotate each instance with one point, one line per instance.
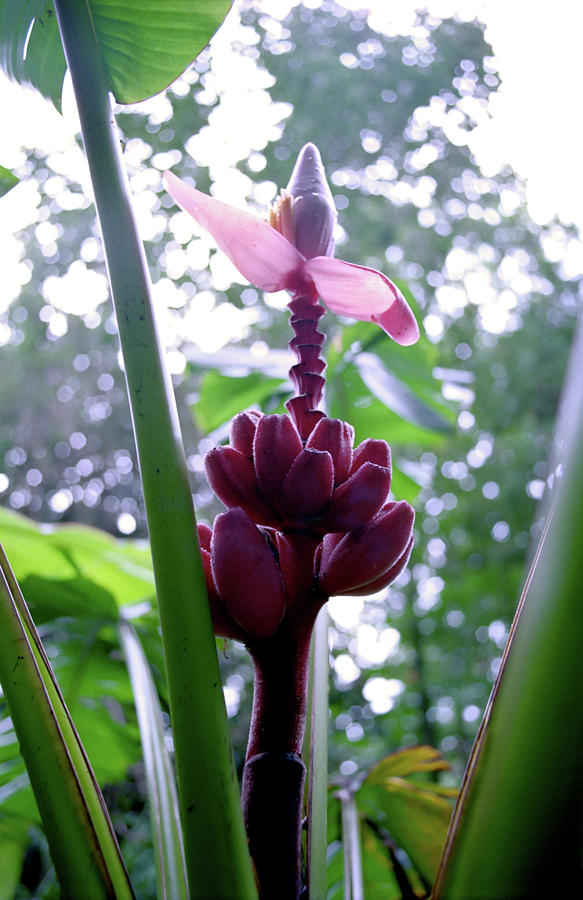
(306, 375)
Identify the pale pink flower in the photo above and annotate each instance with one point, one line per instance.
(294, 252)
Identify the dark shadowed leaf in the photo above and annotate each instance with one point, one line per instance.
(395, 394)
(30, 46)
(7, 180)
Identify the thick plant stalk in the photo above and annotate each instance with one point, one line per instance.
(214, 840)
(274, 772)
(517, 828)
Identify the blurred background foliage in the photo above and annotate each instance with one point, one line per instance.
(468, 412)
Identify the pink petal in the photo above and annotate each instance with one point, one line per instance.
(364, 294)
(260, 253)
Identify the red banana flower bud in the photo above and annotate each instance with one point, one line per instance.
(361, 559)
(246, 574)
(232, 477)
(337, 438)
(223, 624)
(313, 213)
(324, 487)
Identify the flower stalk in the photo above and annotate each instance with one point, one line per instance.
(307, 515)
(274, 772)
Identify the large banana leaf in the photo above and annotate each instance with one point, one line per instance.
(516, 831)
(144, 44)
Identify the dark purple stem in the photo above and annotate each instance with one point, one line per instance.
(306, 375)
(273, 776)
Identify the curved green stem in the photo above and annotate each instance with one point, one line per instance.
(215, 846)
(81, 839)
(160, 781)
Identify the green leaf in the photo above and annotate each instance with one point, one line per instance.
(350, 399)
(391, 394)
(13, 843)
(30, 46)
(222, 396)
(380, 882)
(7, 182)
(75, 570)
(144, 44)
(76, 580)
(407, 762)
(416, 814)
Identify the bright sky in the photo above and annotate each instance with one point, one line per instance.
(536, 122)
(534, 126)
